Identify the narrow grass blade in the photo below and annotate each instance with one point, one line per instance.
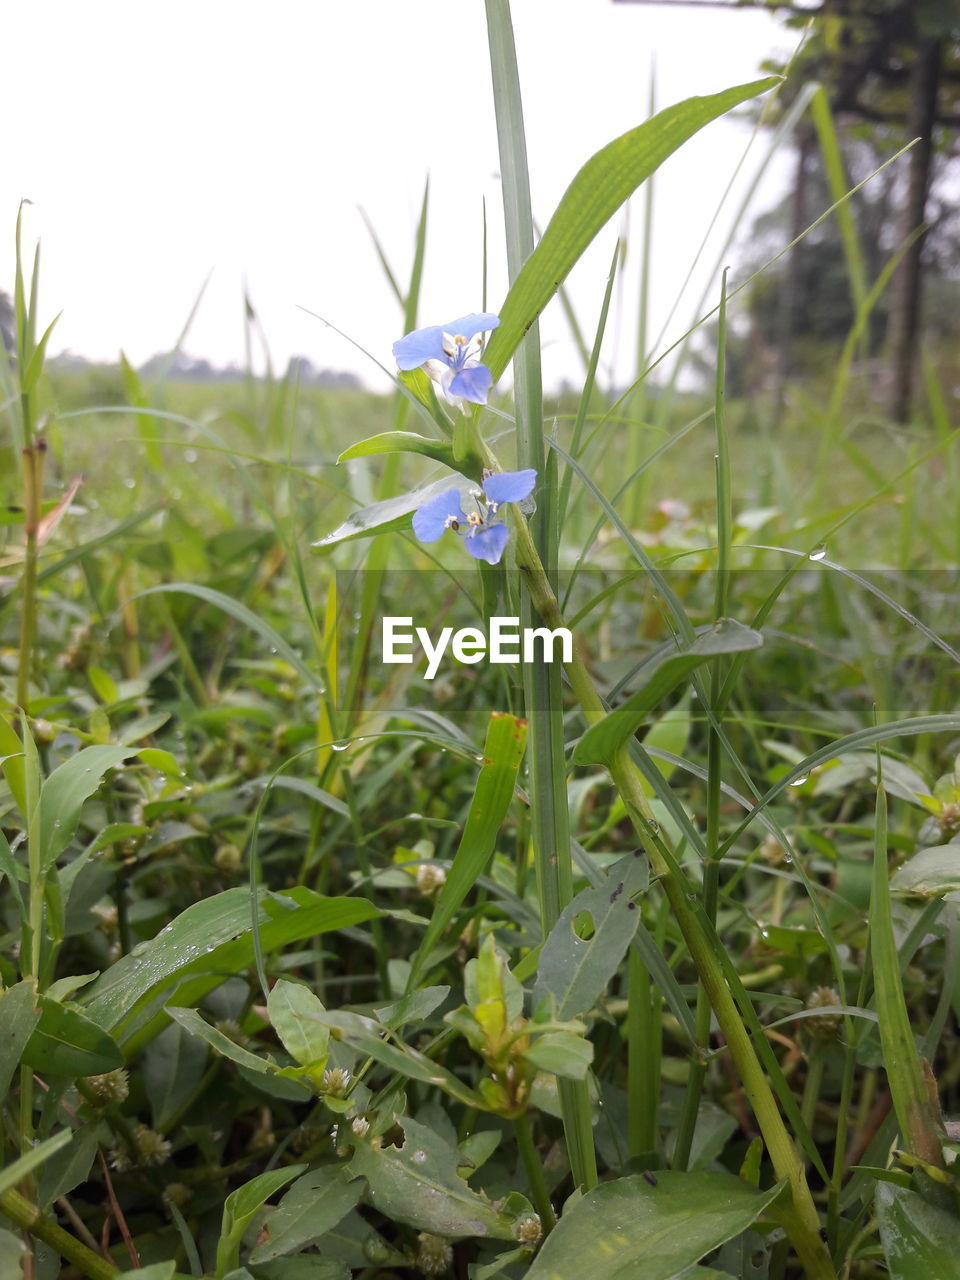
(603, 740)
(502, 753)
(242, 614)
(911, 1083)
(594, 196)
(17, 1170)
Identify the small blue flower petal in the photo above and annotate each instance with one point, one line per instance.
(488, 543)
(472, 384)
(509, 486)
(432, 520)
(470, 326)
(416, 348)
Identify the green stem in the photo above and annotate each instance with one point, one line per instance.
(533, 1168)
(811, 1086)
(803, 1223)
(32, 488)
(542, 682)
(29, 1218)
(644, 1049)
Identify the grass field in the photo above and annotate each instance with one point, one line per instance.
(313, 968)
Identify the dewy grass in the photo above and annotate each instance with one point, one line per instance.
(308, 962)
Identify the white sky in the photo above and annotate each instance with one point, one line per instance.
(160, 142)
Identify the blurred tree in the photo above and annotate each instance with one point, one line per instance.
(892, 71)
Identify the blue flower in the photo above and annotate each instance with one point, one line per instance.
(484, 535)
(450, 355)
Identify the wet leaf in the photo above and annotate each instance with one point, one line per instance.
(418, 1184)
(314, 1205)
(631, 1230)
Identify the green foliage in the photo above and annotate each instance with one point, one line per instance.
(654, 1229)
(312, 969)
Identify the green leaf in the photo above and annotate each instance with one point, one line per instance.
(364, 1035)
(918, 1113)
(630, 1228)
(236, 609)
(208, 942)
(562, 1054)
(931, 873)
(401, 442)
(421, 387)
(314, 1205)
(35, 366)
(18, 1017)
(308, 1266)
(10, 869)
(240, 1208)
(663, 673)
(155, 1271)
(12, 1173)
(293, 1010)
(192, 1022)
(13, 764)
(575, 970)
(164, 762)
(607, 179)
(66, 1042)
(63, 794)
(385, 516)
(172, 1069)
(919, 1240)
(502, 753)
(12, 1251)
(68, 1168)
(418, 1184)
(416, 1007)
(354, 1242)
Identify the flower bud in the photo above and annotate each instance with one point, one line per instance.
(228, 859)
(360, 1126)
(434, 1254)
(430, 879)
(528, 1231)
(825, 1025)
(335, 1081)
(112, 1086)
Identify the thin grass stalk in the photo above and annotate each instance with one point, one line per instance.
(543, 684)
(644, 1056)
(912, 1086)
(32, 451)
(576, 438)
(33, 457)
(711, 867)
(801, 1219)
(641, 399)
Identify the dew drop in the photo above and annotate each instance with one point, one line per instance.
(419, 1157)
(798, 782)
(819, 554)
(190, 455)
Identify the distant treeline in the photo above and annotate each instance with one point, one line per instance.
(181, 367)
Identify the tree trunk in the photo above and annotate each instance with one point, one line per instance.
(905, 301)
